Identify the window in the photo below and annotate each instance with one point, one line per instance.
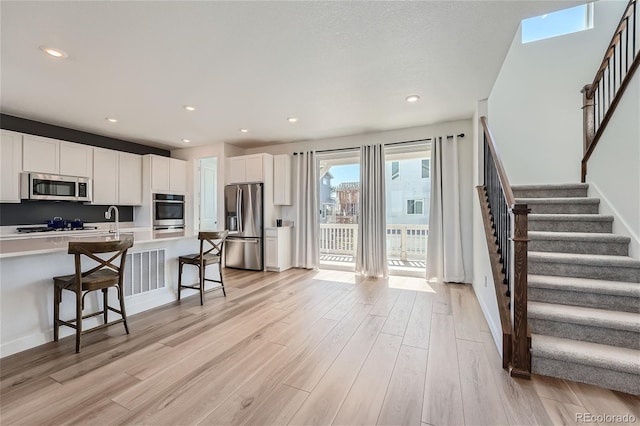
(558, 23)
(426, 169)
(415, 206)
(395, 169)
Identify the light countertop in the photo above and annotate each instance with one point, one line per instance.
(49, 242)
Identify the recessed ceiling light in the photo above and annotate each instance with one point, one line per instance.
(186, 140)
(412, 98)
(292, 119)
(56, 53)
(111, 120)
(189, 108)
(244, 130)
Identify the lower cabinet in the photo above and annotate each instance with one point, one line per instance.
(278, 248)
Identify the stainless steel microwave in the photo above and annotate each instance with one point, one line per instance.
(38, 186)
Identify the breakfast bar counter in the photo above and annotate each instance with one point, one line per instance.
(28, 263)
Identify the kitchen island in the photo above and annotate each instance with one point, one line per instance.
(29, 262)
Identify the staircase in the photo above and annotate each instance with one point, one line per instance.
(584, 290)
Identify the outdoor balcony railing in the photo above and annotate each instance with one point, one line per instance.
(404, 242)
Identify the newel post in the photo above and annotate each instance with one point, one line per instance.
(520, 354)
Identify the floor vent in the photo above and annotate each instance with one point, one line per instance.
(144, 271)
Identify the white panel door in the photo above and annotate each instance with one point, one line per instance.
(208, 194)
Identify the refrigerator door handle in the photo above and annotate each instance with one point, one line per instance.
(239, 208)
(244, 240)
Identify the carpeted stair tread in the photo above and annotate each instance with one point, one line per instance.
(614, 288)
(551, 186)
(586, 353)
(571, 217)
(578, 236)
(556, 190)
(559, 200)
(585, 316)
(585, 259)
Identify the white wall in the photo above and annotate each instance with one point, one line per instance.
(535, 104)
(613, 171)
(413, 133)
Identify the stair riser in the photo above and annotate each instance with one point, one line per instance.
(613, 273)
(586, 333)
(580, 247)
(610, 379)
(550, 193)
(588, 300)
(563, 208)
(568, 226)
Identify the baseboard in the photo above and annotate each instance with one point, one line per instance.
(496, 329)
(133, 304)
(620, 226)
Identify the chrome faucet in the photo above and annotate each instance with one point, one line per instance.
(107, 215)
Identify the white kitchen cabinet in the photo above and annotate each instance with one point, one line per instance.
(105, 176)
(177, 175)
(46, 155)
(76, 159)
(40, 155)
(168, 175)
(282, 180)
(117, 178)
(249, 168)
(10, 166)
(278, 248)
(129, 179)
(236, 172)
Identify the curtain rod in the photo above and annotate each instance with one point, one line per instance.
(461, 135)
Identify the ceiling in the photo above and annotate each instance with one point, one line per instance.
(339, 67)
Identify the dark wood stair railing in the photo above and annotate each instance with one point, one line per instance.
(601, 97)
(506, 222)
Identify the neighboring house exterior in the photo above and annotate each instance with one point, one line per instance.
(326, 201)
(408, 191)
(348, 202)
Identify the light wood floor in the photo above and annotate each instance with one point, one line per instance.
(299, 347)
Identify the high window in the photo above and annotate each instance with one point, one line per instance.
(558, 23)
(395, 169)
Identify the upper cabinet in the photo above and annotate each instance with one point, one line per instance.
(117, 178)
(46, 155)
(105, 176)
(76, 159)
(40, 155)
(168, 175)
(248, 168)
(10, 166)
(129, 179)
(282, 180)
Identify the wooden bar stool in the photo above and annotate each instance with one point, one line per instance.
(106, 274)
(201, 260)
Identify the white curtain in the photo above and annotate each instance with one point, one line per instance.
(444, 246)
(307, 252)
(371, 257)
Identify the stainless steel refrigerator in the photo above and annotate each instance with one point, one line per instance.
(243, 205)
